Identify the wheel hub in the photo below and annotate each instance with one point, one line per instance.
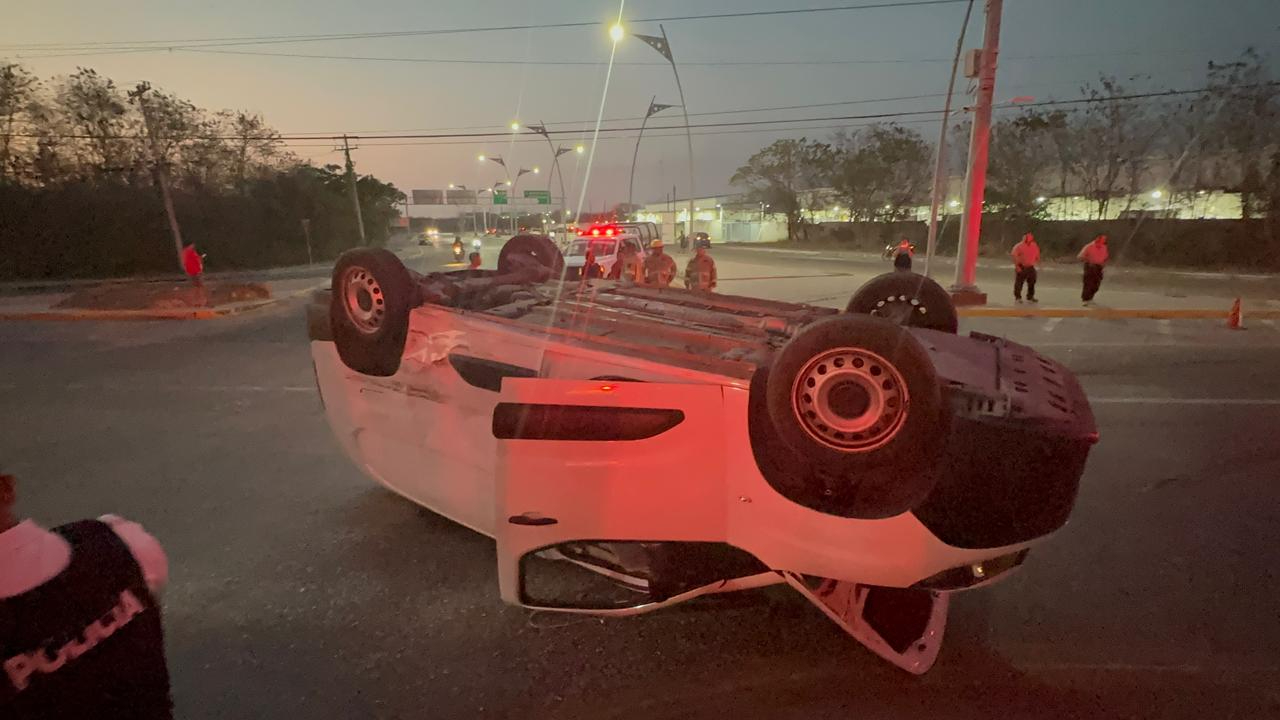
(850, 399)
(899, 309)
(363, 300)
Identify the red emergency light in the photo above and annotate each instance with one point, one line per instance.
(601, 230)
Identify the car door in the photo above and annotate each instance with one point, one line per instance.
(592, 460)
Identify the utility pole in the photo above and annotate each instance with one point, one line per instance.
(351, 183)
(940, 161)
(306, 232)
(965, 290)
(157, 168)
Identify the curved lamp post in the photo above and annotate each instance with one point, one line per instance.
(654, 109)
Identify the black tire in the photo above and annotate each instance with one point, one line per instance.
(859, 401)
(517, 250)
(373, 293)
(906, 298)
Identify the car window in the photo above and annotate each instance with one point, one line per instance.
(599, 247)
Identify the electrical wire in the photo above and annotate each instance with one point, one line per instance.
(279, 39)
(721, 124)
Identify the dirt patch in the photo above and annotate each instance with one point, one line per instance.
(162, 296)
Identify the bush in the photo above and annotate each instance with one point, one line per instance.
(111, 229)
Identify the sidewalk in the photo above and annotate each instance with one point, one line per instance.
(41, 306)
(1002, 263)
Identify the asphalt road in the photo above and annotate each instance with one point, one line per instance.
(300, 589)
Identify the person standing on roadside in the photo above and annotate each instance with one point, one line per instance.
(1094, 256)
(659, 268)
(902, 255)
(80, 631)
(626, 268)
(700, 273)
(1026, 255)
(193, 266)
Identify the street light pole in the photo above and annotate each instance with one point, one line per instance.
(654, 109)
(511, 199)
(556, 152)
(663, 46)
(965, 290)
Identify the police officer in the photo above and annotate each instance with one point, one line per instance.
(659, 268)
(700, 274)
(80, 632)
(1026, 255)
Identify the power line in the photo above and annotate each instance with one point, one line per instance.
(279, 39)
(721, 124)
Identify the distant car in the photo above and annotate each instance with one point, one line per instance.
(701, 239)
(630, 448)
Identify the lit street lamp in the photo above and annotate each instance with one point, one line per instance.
(664, 48)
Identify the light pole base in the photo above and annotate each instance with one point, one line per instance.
(967, 295)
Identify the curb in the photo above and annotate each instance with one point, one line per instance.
(174, 314)
(1111, 313)
(183, 314)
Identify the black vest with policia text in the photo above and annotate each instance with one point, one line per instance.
(86, 644)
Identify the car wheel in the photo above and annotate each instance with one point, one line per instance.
(906, 298)
(369, 310)
(516, 252)
(859, 400)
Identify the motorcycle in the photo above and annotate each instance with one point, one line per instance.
(459, 253)
(891, 250)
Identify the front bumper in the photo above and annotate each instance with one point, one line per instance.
(1015, 454)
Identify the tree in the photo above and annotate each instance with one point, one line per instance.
(1111, 141)
(94, 107)
(1019, 161)
(774, 176)
(256, 144)
(882, 172)
(17, 95)
(1244, 126)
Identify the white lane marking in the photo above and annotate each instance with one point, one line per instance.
(1202, 345)
(189, 388)
(1182, 401)
(1144, 667)
(1050, 325)
(1270, 323)
(1165, 326)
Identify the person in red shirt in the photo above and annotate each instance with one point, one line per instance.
(1094, 255)
(902, 255)
(193, 264)
(1026, 255)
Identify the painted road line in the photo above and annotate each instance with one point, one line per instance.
(1050, 325)
(1270, 323)
(787, 277)
(1112, 313)
(1164, 326)
(1183, 401)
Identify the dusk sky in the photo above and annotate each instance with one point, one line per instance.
(1049, 47)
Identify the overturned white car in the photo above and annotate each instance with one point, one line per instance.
(630, 448)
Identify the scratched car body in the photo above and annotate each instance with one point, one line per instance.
(630, 448)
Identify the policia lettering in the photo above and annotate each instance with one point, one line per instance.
(48, 660)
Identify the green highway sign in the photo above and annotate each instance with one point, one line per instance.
(543, 196)
(499, 197)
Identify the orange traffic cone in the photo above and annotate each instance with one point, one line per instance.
(1235, 318)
